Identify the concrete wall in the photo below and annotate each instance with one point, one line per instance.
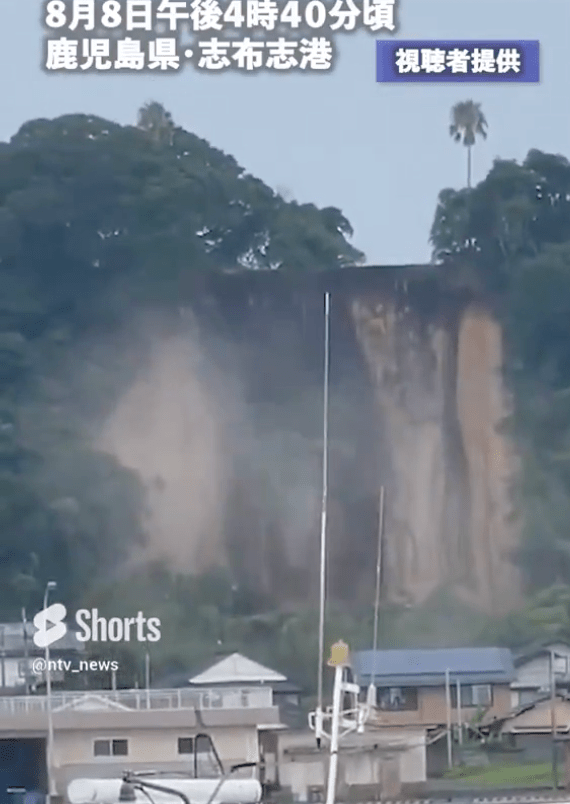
(380, 761)
(147, 749)
(535, 748)
(22, 723)
(379, 773)
(371, 771)
(413, 764)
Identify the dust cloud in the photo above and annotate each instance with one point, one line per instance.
(170, 427)
(187, 428)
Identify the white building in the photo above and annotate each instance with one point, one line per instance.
(237, 670)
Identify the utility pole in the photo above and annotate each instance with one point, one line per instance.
(459, 713)
(553, 722)
(448, 707)
(26, 651)
(323, 561)
(52, 792)
(372, 688)
(147, 678)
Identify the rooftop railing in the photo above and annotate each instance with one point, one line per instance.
(109, 700)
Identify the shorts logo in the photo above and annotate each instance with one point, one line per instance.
(50, 624)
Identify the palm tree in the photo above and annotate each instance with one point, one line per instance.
(468, 121)
(154, 119)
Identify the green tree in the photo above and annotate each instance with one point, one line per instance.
(156, 121)
(509, 240)
(98, 220)
(467, 123)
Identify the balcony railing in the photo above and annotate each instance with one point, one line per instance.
(103, 700)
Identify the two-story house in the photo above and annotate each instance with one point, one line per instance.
(533, 672)
(411, 688)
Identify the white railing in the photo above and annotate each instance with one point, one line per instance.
(208, 699)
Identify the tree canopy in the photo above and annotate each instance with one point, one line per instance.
(95, 217)
(508, 239)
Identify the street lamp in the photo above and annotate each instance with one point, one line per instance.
(49, 746)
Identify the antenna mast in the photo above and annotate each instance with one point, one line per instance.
(322, 597)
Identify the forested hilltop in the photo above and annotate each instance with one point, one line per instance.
(99, 222)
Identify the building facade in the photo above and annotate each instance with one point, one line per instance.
(533, 672)
(100, 735)
(412, 686)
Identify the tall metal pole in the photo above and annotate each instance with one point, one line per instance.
(553, 722)
(49, 747)
(459, 713)
(448, 707)
(335, 729)
(147, 678)
(319, 713)
(378, 580)
(371, 699)
(26, 651)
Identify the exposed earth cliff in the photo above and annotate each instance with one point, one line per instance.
(224, 425)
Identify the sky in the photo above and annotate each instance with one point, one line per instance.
(380, 153)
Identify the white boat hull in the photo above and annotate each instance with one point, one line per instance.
(198, 791)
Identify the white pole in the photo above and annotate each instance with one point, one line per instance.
(448, 707)
(26, 651)
(371, 699)
(378, 580)
(459, 713)
(147, 679)
(49, 746)
(319, 713)
(553, 721)
(335, 728)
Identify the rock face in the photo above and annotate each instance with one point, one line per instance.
(482, 405)
(441, 400)
(169, 428)
(230, 449)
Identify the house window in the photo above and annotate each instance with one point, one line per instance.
(24, 668)
(217, 700)
(110, 748)
(397, 699)
(185, 745)
(473, 695)
(529, 696)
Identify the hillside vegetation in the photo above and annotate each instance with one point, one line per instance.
(100, 221)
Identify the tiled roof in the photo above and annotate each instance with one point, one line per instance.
(428, 667)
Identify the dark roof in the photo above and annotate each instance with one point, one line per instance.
(537, 649)
(424, 668)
